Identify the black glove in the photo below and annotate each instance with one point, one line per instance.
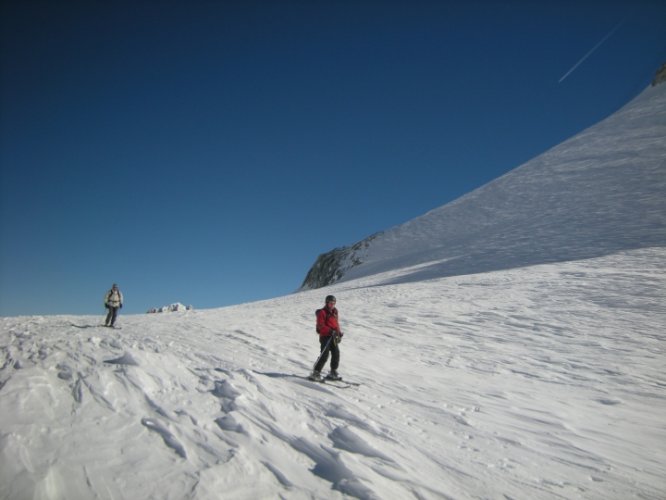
(121, 306)
(106, 306)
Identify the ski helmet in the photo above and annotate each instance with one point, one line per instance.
(330, 298)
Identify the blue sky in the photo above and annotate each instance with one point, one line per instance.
(206, 152)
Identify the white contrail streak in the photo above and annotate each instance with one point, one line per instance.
(610, 33)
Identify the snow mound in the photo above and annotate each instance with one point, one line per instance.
(175, 307)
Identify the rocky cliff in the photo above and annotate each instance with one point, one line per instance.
(332, 266)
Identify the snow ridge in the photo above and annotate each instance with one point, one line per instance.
(600, 192)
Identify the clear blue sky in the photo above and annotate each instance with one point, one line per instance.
(206, 151)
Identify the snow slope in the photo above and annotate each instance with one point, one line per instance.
(541, 382)
(508, 345)
(600, 192)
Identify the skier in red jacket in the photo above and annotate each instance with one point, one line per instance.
(330, 336)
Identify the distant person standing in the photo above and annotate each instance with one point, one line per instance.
(330, 336)
(113, 301)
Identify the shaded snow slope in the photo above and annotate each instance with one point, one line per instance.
(600, 192)
(541, 382)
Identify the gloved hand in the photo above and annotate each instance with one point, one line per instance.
(121, 306)
(106, 306)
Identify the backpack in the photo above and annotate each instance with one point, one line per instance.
(328, 315)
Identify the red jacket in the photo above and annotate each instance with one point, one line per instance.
(327, 321)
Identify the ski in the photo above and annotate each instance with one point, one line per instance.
(347, 382)
(342, 384)
(330, 383)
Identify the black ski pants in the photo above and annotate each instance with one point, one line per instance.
(333, 349)
(111, 316)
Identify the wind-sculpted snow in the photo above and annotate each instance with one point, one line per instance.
(544, 382)
(169, 439)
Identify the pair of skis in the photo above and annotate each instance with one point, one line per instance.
(331, 381)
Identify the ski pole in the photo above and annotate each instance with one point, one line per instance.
(323, 351)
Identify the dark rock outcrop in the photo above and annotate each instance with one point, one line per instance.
(660, 76)
(331, 266)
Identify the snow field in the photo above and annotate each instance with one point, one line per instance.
(540, 382)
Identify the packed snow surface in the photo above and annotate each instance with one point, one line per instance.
(539, 382)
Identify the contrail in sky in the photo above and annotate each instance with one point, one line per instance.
(610, 33)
